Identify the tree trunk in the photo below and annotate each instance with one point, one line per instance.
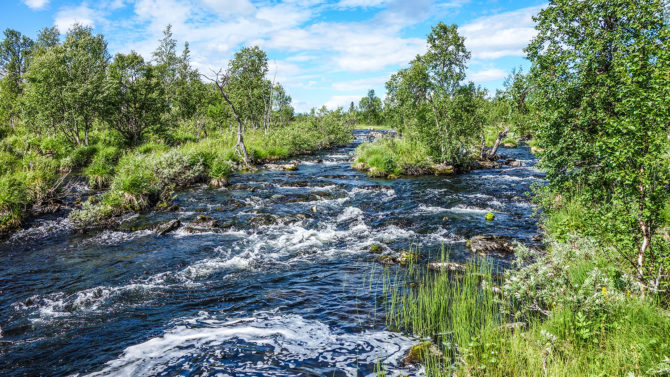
(501, 136)
(482, 150)
(644, 246)
(11, 121)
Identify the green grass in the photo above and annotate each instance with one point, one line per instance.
(596, 322)
(392, 156)
(148, 176)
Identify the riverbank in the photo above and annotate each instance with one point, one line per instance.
(132, 180)
(568, 312)
(393, 157)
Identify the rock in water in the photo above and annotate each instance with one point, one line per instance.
(490, 244)
(218, 182)
(168, 227)
(446, 266)
(286, 167)
(422, 352)
(443, 169)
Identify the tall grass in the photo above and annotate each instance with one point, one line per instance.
(593, 328)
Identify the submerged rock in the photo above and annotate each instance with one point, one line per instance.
(487, 244)
(293, 165)
(205, 221)
(386, 260)
(376, 249)
(168, 227)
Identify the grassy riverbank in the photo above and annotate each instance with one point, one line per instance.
(148, 176)
(138, 178)
(566, 313)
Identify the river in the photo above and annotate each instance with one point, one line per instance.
(286, 286)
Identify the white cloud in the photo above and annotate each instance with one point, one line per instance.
(504, 34)
(342, 101)
(36, 4)
(487, 75)
(361, 84)
(230, 7)
(360, 3)
(67, 17)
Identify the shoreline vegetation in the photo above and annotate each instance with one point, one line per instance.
(594, 107)
(105, 136)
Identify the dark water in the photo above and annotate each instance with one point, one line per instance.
(283, 290)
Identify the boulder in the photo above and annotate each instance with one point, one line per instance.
(407, 257)
(205, 221)
(514, 163)
(293, 165)
(446, 266)
(485, 244)
(442, 169)
(386, 260)
(218, 182)
(168, 227)
(376, 249)
(486, 164)
(420, 353)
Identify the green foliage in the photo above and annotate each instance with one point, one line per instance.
(135, 99)
(370, 108)
(399, 156)
(101, 169)
(579, 316)
(601, 74)
(65, 91)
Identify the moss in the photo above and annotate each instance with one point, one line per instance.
(490, 216)
(375, 249)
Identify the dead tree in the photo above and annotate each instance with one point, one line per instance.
(221, 81)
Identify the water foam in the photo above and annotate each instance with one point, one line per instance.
(284, 340)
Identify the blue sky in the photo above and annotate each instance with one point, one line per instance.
(323, 52)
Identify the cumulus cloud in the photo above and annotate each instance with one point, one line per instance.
(504, 34)
(69, 16)
(487, 75)
(361, 84)
(36, 4)
(342, 101)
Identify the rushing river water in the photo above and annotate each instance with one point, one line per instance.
(282, 290)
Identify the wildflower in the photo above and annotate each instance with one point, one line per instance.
(628, 292)
(604, 291)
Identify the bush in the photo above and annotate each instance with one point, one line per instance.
(393, 156)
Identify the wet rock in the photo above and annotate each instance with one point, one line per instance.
(446, 266)
(314, 209)
(490, 244)
(421, 352)
(293, 165)
(443, 169)
(376, 249)
(386, 260)
(263, 220)
(514, 163)
(218, 182)
(509, 145)
(303, 216)
(206, 221)
(168, 227)
(486, 164)
(407, 257)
